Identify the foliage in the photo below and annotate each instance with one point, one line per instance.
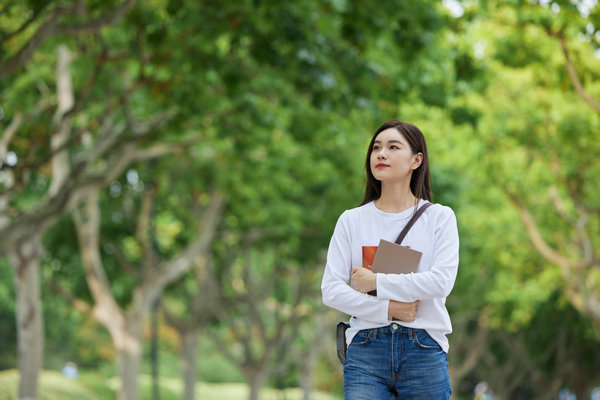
(273, 104)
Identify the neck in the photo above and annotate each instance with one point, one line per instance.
(395, 198)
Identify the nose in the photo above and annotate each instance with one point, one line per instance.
(381, 154)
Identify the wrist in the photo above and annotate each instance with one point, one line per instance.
(374, 282)
(391, 309)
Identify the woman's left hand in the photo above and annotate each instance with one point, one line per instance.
(363, 279)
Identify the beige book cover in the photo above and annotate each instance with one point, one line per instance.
(392, 258)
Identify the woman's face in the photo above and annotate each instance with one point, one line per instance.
(392, 158)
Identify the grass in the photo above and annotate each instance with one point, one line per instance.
(90, 386)
(52, 386)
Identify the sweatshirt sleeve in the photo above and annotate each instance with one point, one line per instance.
(335, 288)
(436, 282)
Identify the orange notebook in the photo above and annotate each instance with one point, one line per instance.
(368, 255)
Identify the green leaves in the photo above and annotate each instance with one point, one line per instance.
(274, 104)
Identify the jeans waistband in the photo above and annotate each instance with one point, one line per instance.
(394, 327)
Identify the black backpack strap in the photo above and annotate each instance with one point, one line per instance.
(412, 221)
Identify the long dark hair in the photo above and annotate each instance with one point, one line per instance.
(420, 181)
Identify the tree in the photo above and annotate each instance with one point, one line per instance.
(100, 127)
(190, 308)
(526, 138)
(542, 127)
(276, 97)
(125, 325)
(262, 313)
(192, 322)
(22, 227)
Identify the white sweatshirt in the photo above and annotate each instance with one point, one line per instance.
(434, 234)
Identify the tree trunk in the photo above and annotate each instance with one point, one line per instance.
(129, 346)
(307, 377)
(154, 352)
(256, 379)
(129, 366)
(30, 326)
(189, 346)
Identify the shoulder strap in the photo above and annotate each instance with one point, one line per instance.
(412, 221)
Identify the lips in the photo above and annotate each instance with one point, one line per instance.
(382, 165)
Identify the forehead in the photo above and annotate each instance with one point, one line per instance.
(390, 134)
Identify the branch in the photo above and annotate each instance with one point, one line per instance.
(173, 269)
(46, 30)
(9, 133)
(143, 231)
(584, 238)
(226, 348)
(559, 205)
(179, 324)
(251, 304)
(95, 25)
(18, 119)
(26, 24)
(77, 303)
(79, 180)
(9, 181)
(128, 155)
(38, 219)
(283, 342)
(91, 81)
(107, 137)
(66, 100)
(205, 300)
(122, 261)
(579, 224)
(26, 164)
(51, 27)
(142, 129)
(129, 150)
(573, 74)
(477, 347)
(87, 224)
(538, 241)
(108, 133)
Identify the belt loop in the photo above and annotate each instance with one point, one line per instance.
(410, 333)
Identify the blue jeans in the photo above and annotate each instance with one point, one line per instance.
(395, 362)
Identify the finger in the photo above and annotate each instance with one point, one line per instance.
(355, 270)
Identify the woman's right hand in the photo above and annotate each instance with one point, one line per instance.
(403, 311)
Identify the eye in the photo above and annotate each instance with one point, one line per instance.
(376, 147)
(394, 147)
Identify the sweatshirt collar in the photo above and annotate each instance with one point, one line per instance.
(401, 215)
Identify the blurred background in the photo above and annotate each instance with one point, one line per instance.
(171, 173)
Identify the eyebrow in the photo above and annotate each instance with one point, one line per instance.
(389, 141)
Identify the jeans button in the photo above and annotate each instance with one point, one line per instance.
(394, 326)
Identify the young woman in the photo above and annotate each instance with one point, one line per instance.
(397, 341)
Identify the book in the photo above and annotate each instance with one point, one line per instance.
(368, 255)
(390, 258)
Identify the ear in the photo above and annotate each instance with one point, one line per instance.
(418, 159)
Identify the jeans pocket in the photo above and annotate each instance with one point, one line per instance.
(424, 341)
(362, 338)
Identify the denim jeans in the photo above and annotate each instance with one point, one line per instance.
(395, 362)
